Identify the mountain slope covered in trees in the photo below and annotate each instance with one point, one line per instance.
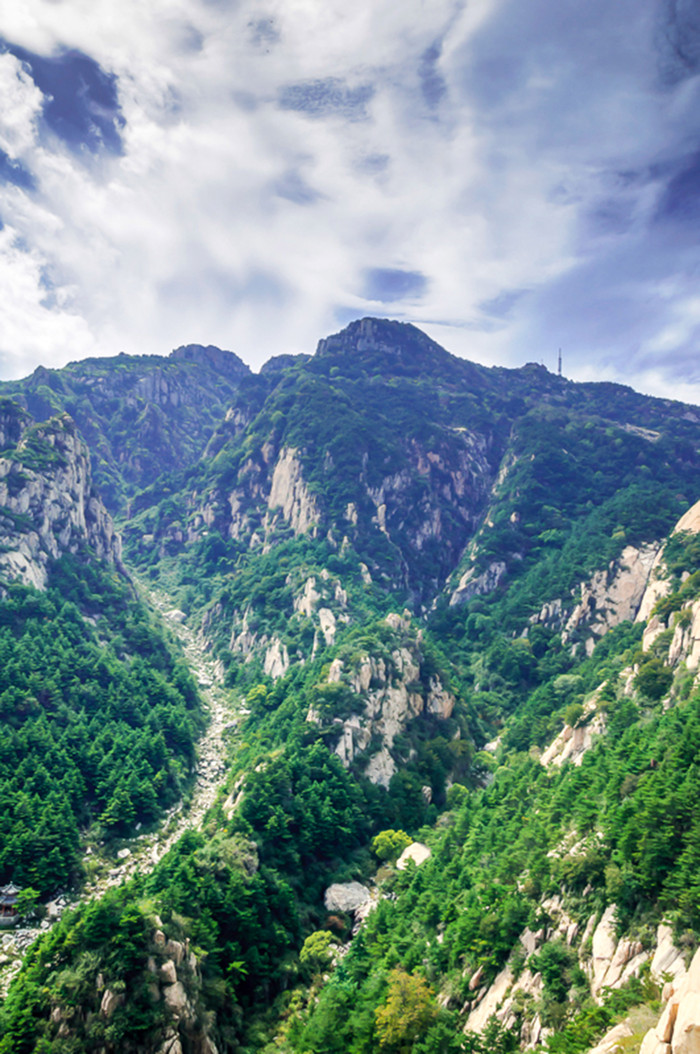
(453, 603)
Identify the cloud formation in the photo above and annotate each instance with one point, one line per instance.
(513, 178)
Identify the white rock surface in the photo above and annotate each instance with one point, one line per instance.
(667, 957)
(478, 1017)
(289, 492)
(305, 604)
(52, 507)
(390, 694)
(380, 768)
(658, 585)
(168, 972)
(572, 743)
(678, 1028)
(276, 662)
(613, 595)
(327, 622)
(417, 852)
(176, 998)
(472, 584)
(610, 1043)
(686, 1030)
(651, 1045)
(110, 1001)
(604, 946)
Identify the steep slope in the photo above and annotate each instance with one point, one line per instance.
(565, 892)
(141, 415)
(48, 505)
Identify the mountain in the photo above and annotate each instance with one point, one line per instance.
(455, 613)
(420, 474)
(141, 415)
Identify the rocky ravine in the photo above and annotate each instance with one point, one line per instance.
(144, 851)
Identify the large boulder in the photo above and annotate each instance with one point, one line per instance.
(417, 852)
(346, 896)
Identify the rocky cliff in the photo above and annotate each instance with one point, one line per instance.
(48, 505)
(369, 701)
(609, 962)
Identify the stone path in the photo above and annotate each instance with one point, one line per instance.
(144, 851)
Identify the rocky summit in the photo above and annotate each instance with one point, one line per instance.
(349, 706)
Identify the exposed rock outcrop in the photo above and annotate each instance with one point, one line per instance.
(346, 896)
(572, 742)
(658, 585)
(289, 492)
(684, 619)
(613, 961)
(276, 661)
(667, 959)
(678, 1028)
(610, 1043)
(610, 596)
(48, 505)
(416, 853)
(390, 692)
(172, 977)
(613, 595)
(473, 584)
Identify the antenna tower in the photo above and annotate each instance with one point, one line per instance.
(559, 370)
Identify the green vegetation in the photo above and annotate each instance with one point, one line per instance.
(98, 721)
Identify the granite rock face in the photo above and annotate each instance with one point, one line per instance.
(385, 694)
(678, 1028)
(48, 505)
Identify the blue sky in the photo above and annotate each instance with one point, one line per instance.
(511, 176)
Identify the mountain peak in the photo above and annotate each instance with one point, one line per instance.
(379, 342)
(226, 362)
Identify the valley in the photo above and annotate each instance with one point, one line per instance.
(374, 590)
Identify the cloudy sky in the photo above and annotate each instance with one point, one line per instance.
(513, 176)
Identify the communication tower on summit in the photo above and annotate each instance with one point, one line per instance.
(559, 370)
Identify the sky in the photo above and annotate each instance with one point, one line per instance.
(512, 176)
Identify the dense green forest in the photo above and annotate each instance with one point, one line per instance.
(98, 721)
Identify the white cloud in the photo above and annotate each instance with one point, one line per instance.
(34, 321)
(524, 188)
(21, 103)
